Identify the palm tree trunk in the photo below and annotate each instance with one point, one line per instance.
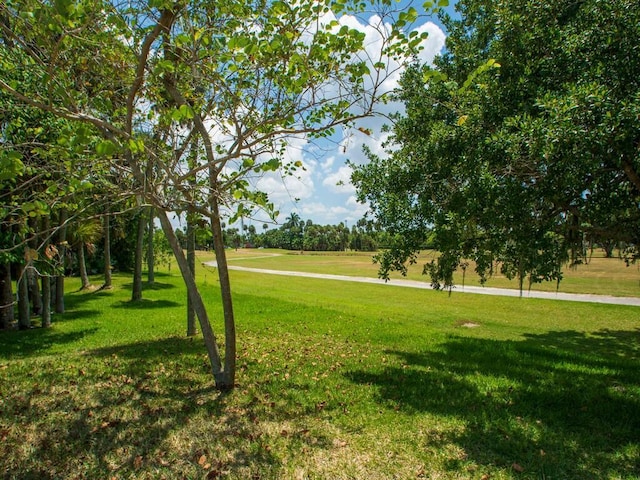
(62, 242)
(107, 252)
(136, 293)
(82, 265)
(6, 296)
(46, 279)
(150, 258)
(24, 314)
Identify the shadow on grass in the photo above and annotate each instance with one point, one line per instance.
(74, 300)
(559, 405)
(145, 304)
(22, 344)
(146, 286)
(134, 410)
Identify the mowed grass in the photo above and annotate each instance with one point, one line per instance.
(600, 276)
(336, 380)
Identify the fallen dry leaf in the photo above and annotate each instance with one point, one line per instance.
(517, 467)
(202, 460)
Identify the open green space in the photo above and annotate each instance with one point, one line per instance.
(335, 380)
(600, 276)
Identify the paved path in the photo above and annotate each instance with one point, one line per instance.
(575, 297)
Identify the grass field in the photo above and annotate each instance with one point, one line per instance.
(602, 276)
(335, 381)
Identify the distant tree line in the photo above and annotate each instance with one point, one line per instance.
(298, 234)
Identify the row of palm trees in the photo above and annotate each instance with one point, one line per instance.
(38, 266)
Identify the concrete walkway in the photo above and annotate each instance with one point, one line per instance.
(574, 297)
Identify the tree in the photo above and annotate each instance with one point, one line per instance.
(150, 247)
(84, 235)
(141, 223)
(519, 145)
(107, 251)
(243, 77)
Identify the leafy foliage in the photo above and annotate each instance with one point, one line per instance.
(519, 147)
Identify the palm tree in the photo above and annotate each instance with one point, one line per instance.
(84, 235)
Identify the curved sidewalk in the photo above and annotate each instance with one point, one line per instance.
(574, 297)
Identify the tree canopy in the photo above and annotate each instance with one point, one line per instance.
(521, 144)
(188, 101)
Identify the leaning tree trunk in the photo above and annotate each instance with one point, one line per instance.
(191, 260)
(6, 296)
(24, 315)
(62, 248)
(136, 293)
(150, 257)
(225, 291)
(107, 252)
(219, 374)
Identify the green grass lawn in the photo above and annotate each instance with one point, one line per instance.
(336, 380)
(602, 276)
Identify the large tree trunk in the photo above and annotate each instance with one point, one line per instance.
(62, 248)
(191, 260)
(24, 314)
(205, 326)
(225, 291)
(107, 251)
(150, 257)
(6, 296)
(136, 293)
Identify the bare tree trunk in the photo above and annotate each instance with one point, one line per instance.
(150, 257)
(191, 260)
(225, 291)
(136, 293)
(32, 275)
(46, 301)
(107, 252)
(46, 280)
(62, 247)
(34, 291)
(24, 314)
(6, 296)
(196, 300)
(82, 265)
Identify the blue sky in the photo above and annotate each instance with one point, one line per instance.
(323, 192)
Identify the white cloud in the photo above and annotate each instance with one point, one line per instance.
(339, 181)
(433, 44)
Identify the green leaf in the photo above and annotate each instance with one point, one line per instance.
(412, 15)
(136, 145)
(185, 112)
(11, 165)
(106, 148)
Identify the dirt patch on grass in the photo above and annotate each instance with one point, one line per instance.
(466, 324)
